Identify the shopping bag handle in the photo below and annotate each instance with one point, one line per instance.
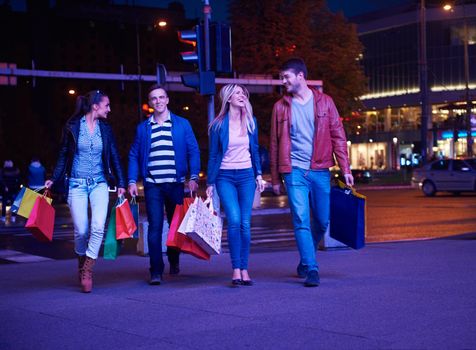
(349, 189)
(120, 199)
(47, 193)
(209, 203)
(133, 200)
(192, 195)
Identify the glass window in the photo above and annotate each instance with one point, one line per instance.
(440, 165)
(459, 165)
(472, 163)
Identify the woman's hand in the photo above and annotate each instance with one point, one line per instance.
(210, 191)
(48, 183)
(121, 191)
(260, 183)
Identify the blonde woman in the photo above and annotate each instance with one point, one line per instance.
(234, 170)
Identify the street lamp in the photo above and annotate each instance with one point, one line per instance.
(395, 152)
(423, 84)
(469, 138)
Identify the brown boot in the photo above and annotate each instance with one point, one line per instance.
(87, 275)
(81, 259)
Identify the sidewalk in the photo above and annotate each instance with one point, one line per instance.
(411, 295)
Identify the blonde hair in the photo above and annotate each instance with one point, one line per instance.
(247, 122)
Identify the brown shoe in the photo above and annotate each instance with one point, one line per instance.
(81, 259)
(87, 275)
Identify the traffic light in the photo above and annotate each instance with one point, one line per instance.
(161, 74)
(203, 81)
(194, 37)
(220, 47)
(8, 79)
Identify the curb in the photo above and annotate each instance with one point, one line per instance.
(270, 211)
(383, 187)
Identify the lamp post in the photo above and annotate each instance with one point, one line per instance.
(207, 9)
(395, 152)
(139, 73)
(423, 84)
(469, 138)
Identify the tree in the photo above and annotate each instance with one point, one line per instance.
(266, 33)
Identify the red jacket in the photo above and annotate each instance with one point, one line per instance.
(329, 137)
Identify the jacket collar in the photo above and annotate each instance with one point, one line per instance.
(288, 98)
(170, 117)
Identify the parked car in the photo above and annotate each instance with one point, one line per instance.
(360, 176)
(451, 175)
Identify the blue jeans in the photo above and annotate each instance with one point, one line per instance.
(156, 197)
(309, 188)
(236, 189)
(87, 241)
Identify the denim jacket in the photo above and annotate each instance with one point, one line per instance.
(185, 148)
(218, 144)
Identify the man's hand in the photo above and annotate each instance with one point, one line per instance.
(121, 191)
(133, 190)
(349, 180)
(277, 189)
(48, 183)
(193, 186)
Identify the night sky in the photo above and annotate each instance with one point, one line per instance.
(219, 7)
(349, 7)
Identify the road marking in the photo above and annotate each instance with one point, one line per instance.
(15, 256)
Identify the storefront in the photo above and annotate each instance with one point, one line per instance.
(452, 144)
(372, 155)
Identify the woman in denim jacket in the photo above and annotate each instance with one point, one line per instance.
(234, 169)
(88, 163)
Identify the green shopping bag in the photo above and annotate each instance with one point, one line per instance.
(111, 244)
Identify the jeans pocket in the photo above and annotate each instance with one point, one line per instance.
(294, 178)
(73, 183)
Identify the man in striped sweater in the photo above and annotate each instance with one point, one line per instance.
(164, 149)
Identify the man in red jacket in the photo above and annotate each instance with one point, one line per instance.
(306, 134)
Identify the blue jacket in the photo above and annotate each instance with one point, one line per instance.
(185, 148)
(219, 139)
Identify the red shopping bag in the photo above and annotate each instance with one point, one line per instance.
(125, 224)
(41, 221)
(180, 241)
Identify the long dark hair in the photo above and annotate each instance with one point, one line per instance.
(84, 103)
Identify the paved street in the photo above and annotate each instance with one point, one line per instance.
(392, 215)
(409, 295)
(416, 294)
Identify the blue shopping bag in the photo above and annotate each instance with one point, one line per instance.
(17, 201)
(347, 216)
(135, 214)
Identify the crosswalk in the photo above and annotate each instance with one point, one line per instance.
(61, 232)
(260, 237)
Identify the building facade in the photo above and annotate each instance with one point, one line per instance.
(386, 134)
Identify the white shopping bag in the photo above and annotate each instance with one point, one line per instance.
(203, 226)
(142, 243)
